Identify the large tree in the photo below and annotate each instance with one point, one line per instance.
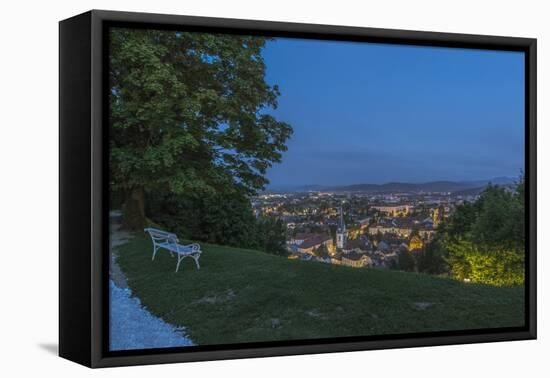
(189, 113)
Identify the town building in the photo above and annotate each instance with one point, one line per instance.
(310, 244)
(300, 237)
(355, 260)
(416, 243)
(359, 245)
(394, 210)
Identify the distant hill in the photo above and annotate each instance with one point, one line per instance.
(433, 186)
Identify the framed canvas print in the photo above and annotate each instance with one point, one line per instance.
(233, 188)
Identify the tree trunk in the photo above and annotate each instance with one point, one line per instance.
(133, 214)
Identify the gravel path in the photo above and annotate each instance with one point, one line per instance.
(131, 326)
(118, 238)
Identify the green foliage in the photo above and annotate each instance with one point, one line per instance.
(489, 265)
(216, 218)
(406, 261)
(219, 218)
(431, 259)
(270, 236)
(500, 219)
(484, 241)
(460, 223)
(189, 113)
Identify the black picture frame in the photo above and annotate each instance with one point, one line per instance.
(83, 195)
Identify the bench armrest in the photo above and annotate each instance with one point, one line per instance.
(188, 248)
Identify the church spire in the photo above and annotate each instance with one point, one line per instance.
(341, 231)
(341, 223)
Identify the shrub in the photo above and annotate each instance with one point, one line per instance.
(487, 265)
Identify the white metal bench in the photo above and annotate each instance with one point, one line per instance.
(170, 242)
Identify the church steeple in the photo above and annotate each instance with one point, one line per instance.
(341, 231)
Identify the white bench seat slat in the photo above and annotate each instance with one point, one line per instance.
(170, 242)
(178, 248)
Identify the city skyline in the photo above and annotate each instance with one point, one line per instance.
(378, 113)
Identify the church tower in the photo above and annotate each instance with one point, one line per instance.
(341, 231)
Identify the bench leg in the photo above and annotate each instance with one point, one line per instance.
(196, 258)
(155, 249)
(181, 257)
(179, 261)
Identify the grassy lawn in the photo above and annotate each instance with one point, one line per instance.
(244, 296)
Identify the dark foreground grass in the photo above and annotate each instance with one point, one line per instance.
(247, 296)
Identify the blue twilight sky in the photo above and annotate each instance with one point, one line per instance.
(374, 113)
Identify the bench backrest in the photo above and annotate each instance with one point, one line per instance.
(160, 236)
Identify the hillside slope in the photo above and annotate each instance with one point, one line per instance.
(246, 296)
